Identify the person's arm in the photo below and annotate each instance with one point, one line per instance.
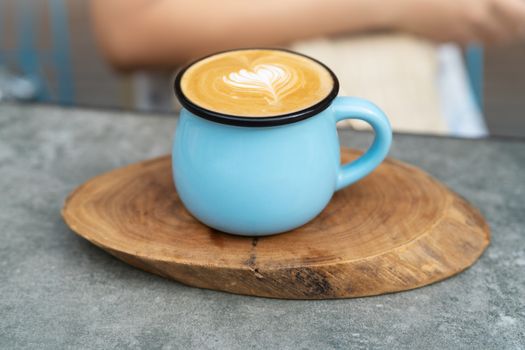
(141, 33)
(164, 33)
(486, 22)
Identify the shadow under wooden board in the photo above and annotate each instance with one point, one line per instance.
(395, 230)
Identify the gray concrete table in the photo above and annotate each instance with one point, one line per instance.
(59, 291)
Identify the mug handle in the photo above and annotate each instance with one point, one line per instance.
(357, 108)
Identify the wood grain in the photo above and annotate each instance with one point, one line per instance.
(395, 230)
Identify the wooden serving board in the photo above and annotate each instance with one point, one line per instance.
(395, 230)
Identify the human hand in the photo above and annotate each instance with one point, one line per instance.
(463, 21)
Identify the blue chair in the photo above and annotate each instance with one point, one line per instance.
(474, 62)
(31, 61)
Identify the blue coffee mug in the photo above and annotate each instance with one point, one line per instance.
(262, 176)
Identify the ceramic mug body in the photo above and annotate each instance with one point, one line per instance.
(265, 180)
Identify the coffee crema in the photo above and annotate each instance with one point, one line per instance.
(256, 83)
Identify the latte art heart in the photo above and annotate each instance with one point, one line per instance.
(256, 83)
(271, 80)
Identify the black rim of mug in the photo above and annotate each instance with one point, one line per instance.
(256, 121)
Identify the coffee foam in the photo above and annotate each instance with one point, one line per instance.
(256, 83)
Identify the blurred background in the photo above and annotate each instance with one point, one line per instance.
(49, 53)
